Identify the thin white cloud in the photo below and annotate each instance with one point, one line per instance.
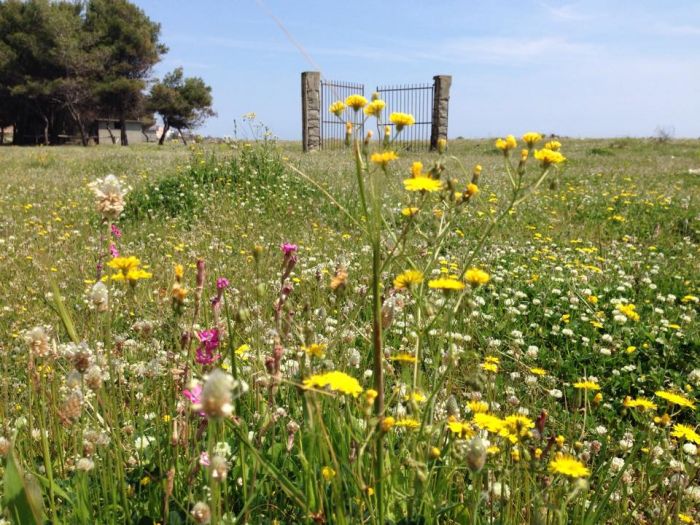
(509, 50)
(566, 12)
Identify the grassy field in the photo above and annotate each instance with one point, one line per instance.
(560, 388)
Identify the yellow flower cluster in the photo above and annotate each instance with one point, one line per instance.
(531, 137)
(568, 466)
(676, 399)
(356, 102)
(128, 269)
(336, 381)
(476, 277)
(337, 108)
(401, 120)
(686, 432)
(548, 157)
(446, 284)
(384, 158)
(629, 311)
(408, 279)
(506, 144)
(374, 108)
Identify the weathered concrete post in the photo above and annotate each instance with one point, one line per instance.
(311, 110)
(441, 103)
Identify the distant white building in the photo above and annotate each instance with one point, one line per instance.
(108, 131)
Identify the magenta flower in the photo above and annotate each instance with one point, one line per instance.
(222, 283)
(194, 395)
(113, 250)
(209, 339)
(288, 248)
(116, 231)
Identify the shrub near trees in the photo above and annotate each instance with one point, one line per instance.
(63, 64)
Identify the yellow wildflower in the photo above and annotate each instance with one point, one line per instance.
(568, 466)
(335, 380)
(408, 279)
(506, 144)
(422, 184)
(641, 402)
(409, 212)
(553, 145)
(401, 120)
(676, 399)
(462, 429)
(384, 158)
(356, 102)
(531, 138)
(446, 283)
(403, 357)
(587, 385)
(686, 432)
(476, 277)
(548, 157)
(628, 310)
(328, 473)
(472, 189)
(374, 108)
(316, 350)
(408, 423)
(337, 108)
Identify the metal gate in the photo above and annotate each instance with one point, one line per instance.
(416, 99)
(332, 128)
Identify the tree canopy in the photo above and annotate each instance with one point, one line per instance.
(181, 102)
(64, 63)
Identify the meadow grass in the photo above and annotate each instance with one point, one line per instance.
(487, 392)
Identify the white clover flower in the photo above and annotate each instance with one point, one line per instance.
(99, 297)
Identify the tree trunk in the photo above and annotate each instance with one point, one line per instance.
(46, 131)
(2, 136)
(166, 128)
(182, 136)
(79, 121)
(124, 137)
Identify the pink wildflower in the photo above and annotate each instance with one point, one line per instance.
(113, 250)
(116, 231)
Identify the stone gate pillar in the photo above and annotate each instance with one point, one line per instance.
(441, 102)
(311, 110)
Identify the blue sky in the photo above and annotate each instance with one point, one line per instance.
(593, 68)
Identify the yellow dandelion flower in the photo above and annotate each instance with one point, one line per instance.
(676, 399)
(685, 518)
(689, 299)
(553, 145)
(489, 367)
(472, 189)
(336, 381)
(316, 350)
(446, 284)
(408, 422)
(488, 422)
(462, 428)
(568, 466)
(629, 311)
(417, 397)
(422, 184)
(328, 473)
(641, 402)
(356, 102)
(403, 357)
(387, 423)
(548, 157)
(409, 212)
(401, 120)
(531, 137)
(337, 108)
(374, 108)
(408, 279)
(538, 371)
(587, 385)
(686, 432)
(478, 407)
(506, 144)
(476, 277)
(179, 271)
(384, 158)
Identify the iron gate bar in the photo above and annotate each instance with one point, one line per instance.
(416, 99)
(332, 128)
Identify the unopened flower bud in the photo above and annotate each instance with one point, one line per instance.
(476, 454)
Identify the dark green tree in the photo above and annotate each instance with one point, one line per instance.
(182, 103)
(128, 42)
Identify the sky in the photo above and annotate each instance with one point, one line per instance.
(583, 69)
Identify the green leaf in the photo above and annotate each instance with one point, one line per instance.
(63, 311)
(22, 495)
